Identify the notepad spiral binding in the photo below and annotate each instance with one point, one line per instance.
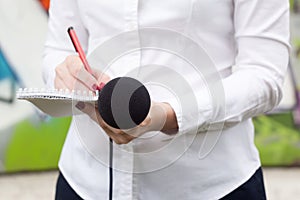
(55, 94)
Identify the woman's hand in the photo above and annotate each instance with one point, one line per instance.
(71, 75)
(161, 117)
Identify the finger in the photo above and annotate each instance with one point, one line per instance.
(146, 122)
(85, 78)
(87, 108)
(71, 83)
(101, 77)
(117, 138)
(114, 134)
(140, 129)
(134, 133)
(76, 69)
(124, 137)
(59, 84)
(117, 135)
(65, 76)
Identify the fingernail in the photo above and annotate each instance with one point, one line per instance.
(101, 86)
(95, 87)
(80, 105)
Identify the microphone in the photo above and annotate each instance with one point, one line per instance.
(124, 103)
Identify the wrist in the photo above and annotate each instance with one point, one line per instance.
(163, 118)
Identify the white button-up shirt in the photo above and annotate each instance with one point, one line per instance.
(201, 161)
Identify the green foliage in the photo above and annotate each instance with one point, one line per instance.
(278, 140)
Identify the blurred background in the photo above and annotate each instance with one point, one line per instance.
(30, 142)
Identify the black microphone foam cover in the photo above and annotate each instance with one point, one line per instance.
(124, 103)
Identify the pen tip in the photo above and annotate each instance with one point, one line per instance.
(70, 28)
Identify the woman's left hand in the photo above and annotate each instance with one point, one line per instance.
(156, 120)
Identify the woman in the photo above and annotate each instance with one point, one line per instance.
(252, 35)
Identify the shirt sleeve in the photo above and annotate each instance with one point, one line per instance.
(62, 14)
(255, 85)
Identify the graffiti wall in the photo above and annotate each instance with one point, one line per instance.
(28, 139)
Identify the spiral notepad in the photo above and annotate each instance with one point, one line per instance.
(56, 103)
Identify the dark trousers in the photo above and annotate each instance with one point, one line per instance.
(64, 190)
(253, 189)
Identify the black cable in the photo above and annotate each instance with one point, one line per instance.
(110, 169)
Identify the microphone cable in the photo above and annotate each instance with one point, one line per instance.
(110, 181)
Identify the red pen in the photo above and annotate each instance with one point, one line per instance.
(81, 53)
(79, 49)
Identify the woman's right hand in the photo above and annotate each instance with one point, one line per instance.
(72, 75)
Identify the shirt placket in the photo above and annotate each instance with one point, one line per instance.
(132, 26)
(124, 183)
